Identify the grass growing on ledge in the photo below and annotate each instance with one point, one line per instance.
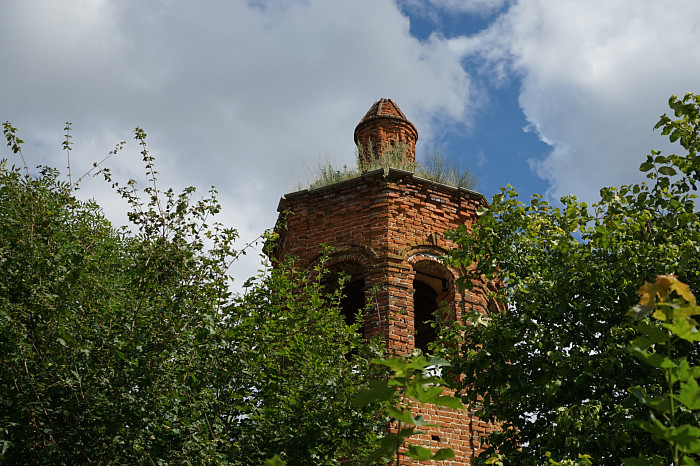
(435, 167)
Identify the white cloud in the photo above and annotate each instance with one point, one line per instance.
(232, 93)
(595, 78)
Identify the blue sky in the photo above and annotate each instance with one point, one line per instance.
(499, 126)
(551, 96)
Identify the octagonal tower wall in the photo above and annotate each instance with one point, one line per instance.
(386, 227)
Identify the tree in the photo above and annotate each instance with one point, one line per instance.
(127, 346)
(672, 308)
(553, 367)
(414, 382)
(295, 366)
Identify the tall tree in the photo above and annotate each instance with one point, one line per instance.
(128, 347)
(553, 366)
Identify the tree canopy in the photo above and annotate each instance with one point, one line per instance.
(127, 346)
(554, 365)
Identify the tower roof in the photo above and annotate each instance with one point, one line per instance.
(383, 109)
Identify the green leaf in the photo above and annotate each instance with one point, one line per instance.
(685, 329)
(646, 166)
(661, 404)
(669, 171)
(689, 394)
(654, 333)
(407, 432)
(685, 311)
(437, 361)
(686, 372)
(386, 449)
(398, 365)
(639, 394)
(403, 416)
(639, 311)
(422, 393)
(274, 461)
(449, 401)
(654, 427)
(685, 437)
(419, 453)
(443, 454)
(655, 359)
(379, 391)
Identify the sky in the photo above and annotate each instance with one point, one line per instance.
(553, 97)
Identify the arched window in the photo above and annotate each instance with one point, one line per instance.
(353, 300)
(432, 285)
(424, 307)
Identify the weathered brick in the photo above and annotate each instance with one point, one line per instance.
(390, 226)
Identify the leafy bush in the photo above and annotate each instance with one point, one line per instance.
(667, 328)
(553, 366)
(413, 381)
(121, 347)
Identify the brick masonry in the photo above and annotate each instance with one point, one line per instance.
(387, 227)
(383, 126)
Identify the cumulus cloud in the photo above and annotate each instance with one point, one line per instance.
(236, 94)
(247, 95)
(595, 77)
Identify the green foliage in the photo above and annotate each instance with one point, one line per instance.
(291, 352)
(127, 347)
(95, 329)
(274, 461)
(553, 367)
(672, 307)
(583, 460)
(413, 380)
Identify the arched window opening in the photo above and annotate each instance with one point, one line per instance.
(431, 287)
(353, 299)
(424, 306)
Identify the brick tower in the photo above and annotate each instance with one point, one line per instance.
(383, 127)
(386, 230)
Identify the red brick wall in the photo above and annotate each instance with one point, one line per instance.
(380, 133)
(383, 126)
(390, 226)
(459, 430)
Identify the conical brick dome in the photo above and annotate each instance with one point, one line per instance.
(383, 127)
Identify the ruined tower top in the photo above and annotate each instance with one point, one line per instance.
(383, 128)
(386, 234)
